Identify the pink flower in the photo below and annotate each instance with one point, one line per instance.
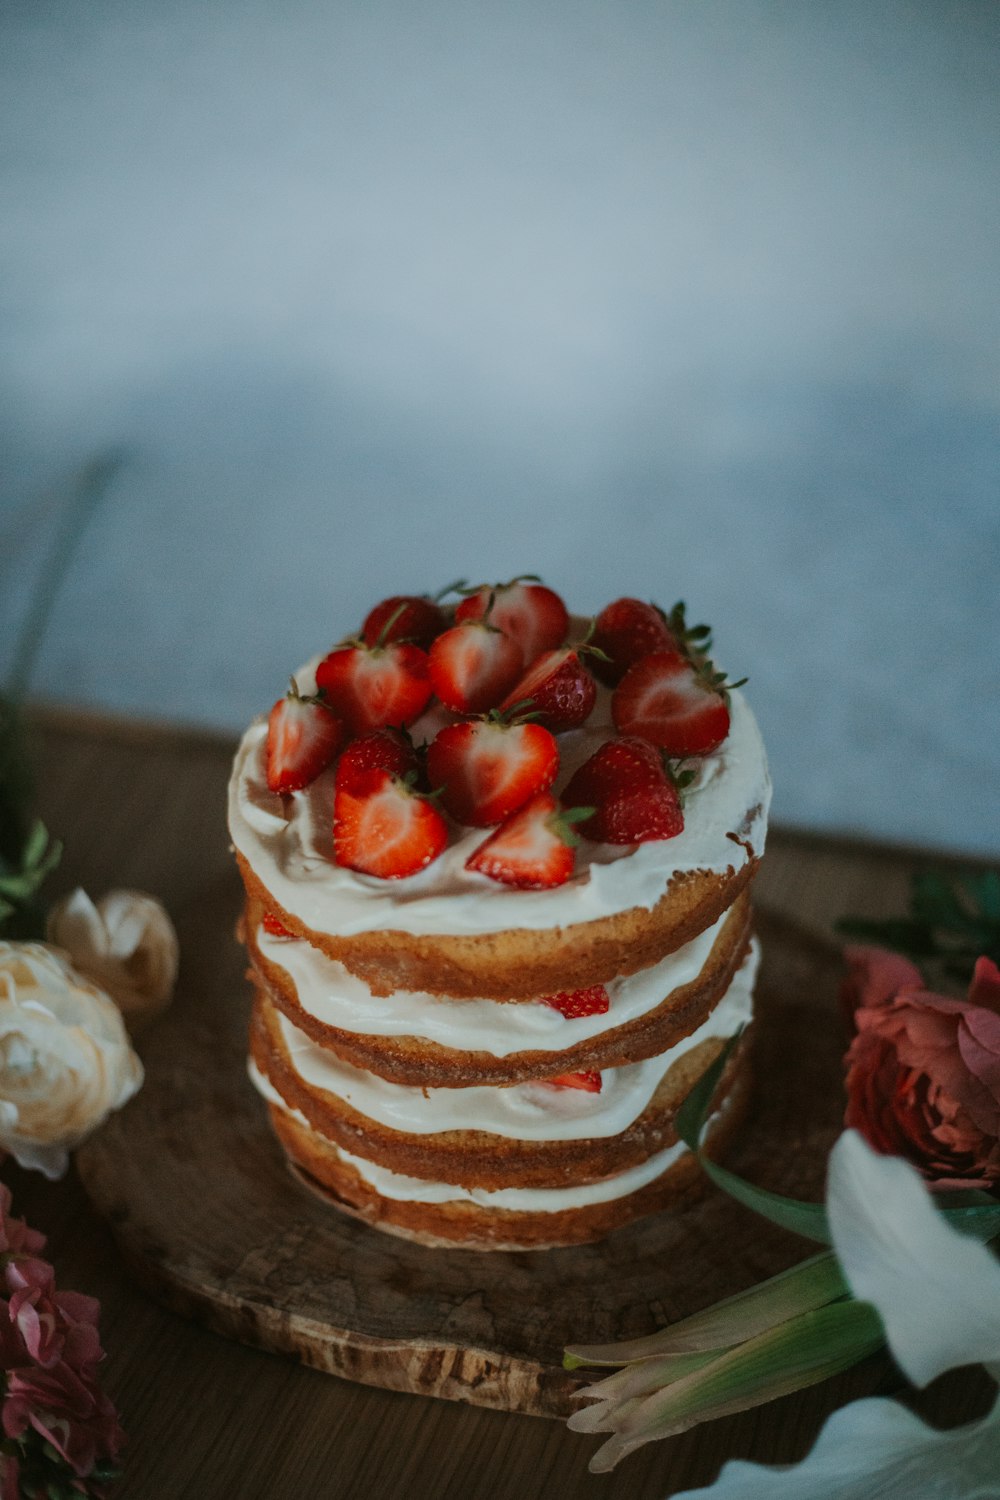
(53, 1325)
(68, 1409)
(923, 1071)
(16, 1238)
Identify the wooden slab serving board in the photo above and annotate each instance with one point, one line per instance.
(211, 1221)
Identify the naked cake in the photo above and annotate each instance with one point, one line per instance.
(497, 863)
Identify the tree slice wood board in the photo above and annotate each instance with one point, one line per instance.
(211, 1221)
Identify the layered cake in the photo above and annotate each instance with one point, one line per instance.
(497, 863)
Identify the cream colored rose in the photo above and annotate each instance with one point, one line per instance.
(65, 1058)
(126, 944)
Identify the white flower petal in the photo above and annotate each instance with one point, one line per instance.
(937, 1291)
(126, 944)
(65, 1058)
(871, 1449)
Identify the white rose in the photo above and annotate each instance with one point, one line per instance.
(126, 944)
(65, 1058)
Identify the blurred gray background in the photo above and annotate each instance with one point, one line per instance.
(679, 300)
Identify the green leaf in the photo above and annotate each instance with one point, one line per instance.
(984, 891)
(812, 1283)
(807, 1219)
(788, 1358)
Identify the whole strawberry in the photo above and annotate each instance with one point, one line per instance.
(633, 799)
(303, 736)
(383, 750)
(382, 827)
(533, 615)
(626, 631)
(404, 617)
(488, 767)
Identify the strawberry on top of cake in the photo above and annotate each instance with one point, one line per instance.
(504, 673)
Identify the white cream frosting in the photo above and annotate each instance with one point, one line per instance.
(527, 1200)
(287, 841)
(336, 997)
(525, 1111)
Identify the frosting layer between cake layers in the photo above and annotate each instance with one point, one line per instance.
(532, 1111)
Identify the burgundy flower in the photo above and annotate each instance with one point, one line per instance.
(16, 1238)
(68, 1409)
(923, 1071)
(52, 1325)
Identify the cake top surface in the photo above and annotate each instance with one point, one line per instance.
(287, 840)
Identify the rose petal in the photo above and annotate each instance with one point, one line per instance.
(875, 975)
(984, 989)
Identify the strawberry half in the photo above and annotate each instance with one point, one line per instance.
(382, 750)
(633, 798)
(382, 827)
(626, 631)
(589, 1081)
(473, 665)
(371, 686)
(404, 617)
(558, 690)
(489, 768)
(303, 736)
(533, 848)
(525, 609)
(593, 1001)
(272, 925)
(672, 703)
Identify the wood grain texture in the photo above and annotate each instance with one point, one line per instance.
(207, 1214)
(142, 805)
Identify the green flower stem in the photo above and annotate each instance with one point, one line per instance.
(808, 1219)
(800, 1352)
(89, 487)
(811, 1284)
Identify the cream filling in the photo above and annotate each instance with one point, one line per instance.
(532, 1111)
(334, 996)
(287, 842)
(528, 1200)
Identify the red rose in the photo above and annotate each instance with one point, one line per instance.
(923, 1071)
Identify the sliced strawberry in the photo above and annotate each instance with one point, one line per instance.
(593, 1001)
(382, 750)
(303, 736)
(489, 768)
(558, 690)
(272, 925)
(472, 666)
(634, 799)
(404, 617)
(371, 686)
(626, 631)
(381, 826)
(672, 703)
(533, 848)
(589, 1081)
(534, 615)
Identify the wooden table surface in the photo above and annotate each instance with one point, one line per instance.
(143, 806)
